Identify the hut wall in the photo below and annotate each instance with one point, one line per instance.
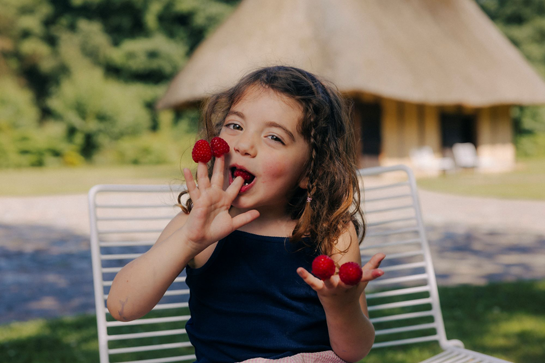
(432, 132)
(392, 133)
(410, 121)
(495, 138)
(406, 126)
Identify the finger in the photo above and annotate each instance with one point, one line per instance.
(233, 189)
(245, 218)
(191, 186)
(375, 261)
(329, 283)
(202, 176)
(217, 173)
(315, 283)
(370, 275)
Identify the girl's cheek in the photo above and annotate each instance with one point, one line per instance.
(276, 170)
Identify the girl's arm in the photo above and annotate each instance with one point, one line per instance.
(139, 286)
(351, 334)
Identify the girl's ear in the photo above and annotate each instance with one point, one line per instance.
(303, 183)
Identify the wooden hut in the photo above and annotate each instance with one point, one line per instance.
(422, 72)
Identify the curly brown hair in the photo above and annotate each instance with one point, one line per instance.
(331, 170)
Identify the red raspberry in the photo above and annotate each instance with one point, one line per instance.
(201, 152)
(323, 267)
(350, 273)
(219, 146)
(248, 177)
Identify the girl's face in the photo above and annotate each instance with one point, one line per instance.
(265, 144)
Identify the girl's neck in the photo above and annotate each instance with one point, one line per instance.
(268, 224)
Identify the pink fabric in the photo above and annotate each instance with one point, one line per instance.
(320, 357)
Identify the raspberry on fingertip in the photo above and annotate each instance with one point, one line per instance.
(201, 152)
(323, 267)
(219, 146)
(350, 273)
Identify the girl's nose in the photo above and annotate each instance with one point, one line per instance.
(245, 146)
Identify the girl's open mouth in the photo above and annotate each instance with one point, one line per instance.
(246, 175)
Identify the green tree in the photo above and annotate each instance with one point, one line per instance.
(523, 22)
(17, 105)
(96, 66)
(97, 110)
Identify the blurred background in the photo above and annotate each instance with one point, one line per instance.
(97, 91)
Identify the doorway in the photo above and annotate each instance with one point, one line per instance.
(370, 115)
(457, 128)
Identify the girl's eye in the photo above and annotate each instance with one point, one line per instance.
(233, 126)
(276, 138)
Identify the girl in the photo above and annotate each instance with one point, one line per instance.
(286, 192)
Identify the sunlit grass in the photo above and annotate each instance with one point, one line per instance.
(527, 181)
(53, 341)
(505, 320)
(70, 180)
(46, 181)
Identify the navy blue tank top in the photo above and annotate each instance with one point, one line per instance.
(247, 301)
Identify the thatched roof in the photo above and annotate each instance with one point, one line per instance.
(422, 51)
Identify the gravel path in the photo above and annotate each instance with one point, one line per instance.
(45, 263)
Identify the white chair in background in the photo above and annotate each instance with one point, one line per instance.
(465, 156)
(425, 160)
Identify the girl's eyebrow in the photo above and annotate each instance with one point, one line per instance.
(236, 113)
(268, 124)
(275, 124)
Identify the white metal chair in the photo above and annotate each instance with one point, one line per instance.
(404, 304)
(425, 160)
(465, 156)
(125, 221)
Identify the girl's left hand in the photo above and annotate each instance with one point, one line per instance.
(334, 291)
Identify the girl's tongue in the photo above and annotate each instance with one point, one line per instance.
(248, 177)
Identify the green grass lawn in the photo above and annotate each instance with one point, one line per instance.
(506, 320)
(46, 181)
(527, 181)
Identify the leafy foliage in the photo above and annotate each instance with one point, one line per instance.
(523, 22)
(95, 66)
(17, 107)
(112, 60)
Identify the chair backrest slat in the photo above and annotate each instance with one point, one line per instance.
(403, 304)
(125, 223)
(127, 219)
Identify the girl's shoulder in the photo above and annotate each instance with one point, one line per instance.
(347, 248)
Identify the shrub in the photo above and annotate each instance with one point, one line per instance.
(97, 111)
(145, 149)
(151, 148)
(17, 105)
(23, 147)
(532, 145)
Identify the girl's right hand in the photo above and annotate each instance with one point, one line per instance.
(209, 219)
